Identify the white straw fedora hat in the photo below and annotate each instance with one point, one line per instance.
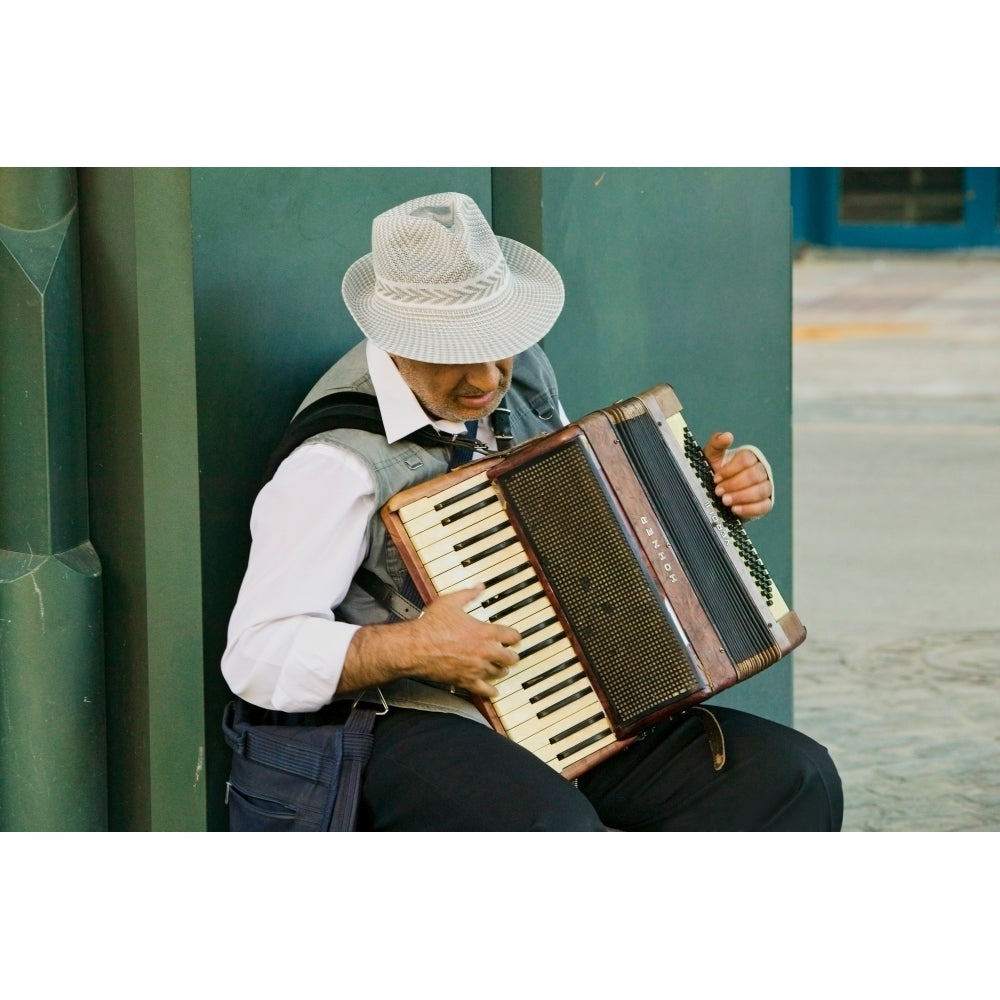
(439, 286)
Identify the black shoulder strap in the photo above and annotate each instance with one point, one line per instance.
(353, 411)
(346, 409)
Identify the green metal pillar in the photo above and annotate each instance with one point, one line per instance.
(142, 418)
(53, 758)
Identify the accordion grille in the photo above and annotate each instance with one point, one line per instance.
(600, 582)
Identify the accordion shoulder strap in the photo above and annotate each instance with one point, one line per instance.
(335, 411)
(348, 410)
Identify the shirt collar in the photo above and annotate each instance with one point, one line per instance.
(401, 411)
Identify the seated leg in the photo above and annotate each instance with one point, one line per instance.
(432, 771)
(775, 778)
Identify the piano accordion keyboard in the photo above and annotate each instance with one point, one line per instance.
(546, 702)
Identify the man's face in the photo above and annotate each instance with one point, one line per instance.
(457, 392)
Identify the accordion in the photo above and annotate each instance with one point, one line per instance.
(636, 592)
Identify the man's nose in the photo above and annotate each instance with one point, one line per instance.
(486, 376)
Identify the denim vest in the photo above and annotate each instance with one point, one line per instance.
(533, 400)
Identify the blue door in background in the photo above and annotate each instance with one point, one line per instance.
(920, 208)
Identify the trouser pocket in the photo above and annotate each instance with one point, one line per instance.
(248, 812)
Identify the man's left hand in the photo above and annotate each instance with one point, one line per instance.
(741, 479)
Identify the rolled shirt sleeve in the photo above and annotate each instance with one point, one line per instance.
(286, 648)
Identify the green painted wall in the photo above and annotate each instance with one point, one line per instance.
(211, 301)
(671, 275)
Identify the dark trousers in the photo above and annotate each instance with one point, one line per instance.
(431, 771)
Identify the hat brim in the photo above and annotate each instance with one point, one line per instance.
(500, 328)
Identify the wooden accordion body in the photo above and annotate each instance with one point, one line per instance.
(636, 592)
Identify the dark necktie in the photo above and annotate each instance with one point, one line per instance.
(461, 453)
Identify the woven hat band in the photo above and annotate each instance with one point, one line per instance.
(455, 295)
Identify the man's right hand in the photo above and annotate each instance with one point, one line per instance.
(445, 644)
(455, 648)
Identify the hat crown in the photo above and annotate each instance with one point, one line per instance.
(437, 252)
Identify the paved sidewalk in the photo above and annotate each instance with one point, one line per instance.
(897, 545)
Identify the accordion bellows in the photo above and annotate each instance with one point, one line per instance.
(636, 592)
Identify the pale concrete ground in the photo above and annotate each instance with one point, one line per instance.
(897, 533)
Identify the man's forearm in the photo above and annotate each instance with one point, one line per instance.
(377, 655)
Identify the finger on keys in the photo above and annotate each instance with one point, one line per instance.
(715, 450)
(467, 598)
(508, 637)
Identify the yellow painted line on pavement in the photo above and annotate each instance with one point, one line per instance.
(890, 427)
(845, 331)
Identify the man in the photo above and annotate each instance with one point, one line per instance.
(452, 316)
